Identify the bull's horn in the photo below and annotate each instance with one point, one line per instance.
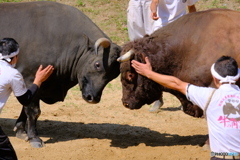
(104, 42)
(127, 56)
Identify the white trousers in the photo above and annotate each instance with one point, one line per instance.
(139, 21)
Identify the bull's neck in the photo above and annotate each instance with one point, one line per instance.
(69, 64)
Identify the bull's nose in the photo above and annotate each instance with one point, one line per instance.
(89, 98)
(125, 104)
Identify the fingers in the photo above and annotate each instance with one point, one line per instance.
(142, 68)
(134, 64)
(39, 68)
(49, 68)
(147, 60)
(137, 65)
(43, 74)
(154, 16)
(46, 71)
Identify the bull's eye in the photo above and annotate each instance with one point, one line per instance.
(98, 66)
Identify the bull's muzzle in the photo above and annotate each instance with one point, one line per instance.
(126, 105)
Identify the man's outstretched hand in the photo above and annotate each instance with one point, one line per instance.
(42, 74)
(142, 68)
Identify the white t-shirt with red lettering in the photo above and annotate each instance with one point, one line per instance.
(11, 80)
(223, 115)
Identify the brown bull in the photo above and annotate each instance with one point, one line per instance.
(186, 48)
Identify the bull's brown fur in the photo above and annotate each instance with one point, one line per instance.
(186, 48)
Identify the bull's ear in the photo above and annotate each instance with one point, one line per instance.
(140, 57)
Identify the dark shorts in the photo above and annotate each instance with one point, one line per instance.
(6, 149)
(215, 158)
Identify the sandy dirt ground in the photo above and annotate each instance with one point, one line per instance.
(76, 130)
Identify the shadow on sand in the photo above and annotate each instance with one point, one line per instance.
(122, 136)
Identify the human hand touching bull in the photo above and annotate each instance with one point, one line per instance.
(42, 74)
(141, 68)
(168, 81)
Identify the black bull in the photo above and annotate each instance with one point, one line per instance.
(186, 48)
(60, 35)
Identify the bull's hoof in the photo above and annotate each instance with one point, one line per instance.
(20, 133)
(156, 107)
(36, 143)
(206, 147)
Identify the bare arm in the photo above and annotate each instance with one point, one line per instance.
(192, 9)
(165, 80)
(153, 8)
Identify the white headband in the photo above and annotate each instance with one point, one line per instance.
(229, 79)
(7, 57)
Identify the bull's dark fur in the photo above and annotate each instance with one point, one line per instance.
(161, 63)
(186, 48)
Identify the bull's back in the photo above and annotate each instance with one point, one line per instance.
(198, 39)
(47, 33)
(46, 28)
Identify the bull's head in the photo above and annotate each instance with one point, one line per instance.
(98, 67)
(137, 89)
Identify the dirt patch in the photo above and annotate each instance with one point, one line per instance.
(76, 130)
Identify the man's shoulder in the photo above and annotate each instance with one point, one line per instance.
(202, 87)
(199, 91)
(9, 70)
(6, 66)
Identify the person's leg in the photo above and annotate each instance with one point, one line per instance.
(206, 146)
(216, 158)
(147, 19)
(134, 20)
(7, 151)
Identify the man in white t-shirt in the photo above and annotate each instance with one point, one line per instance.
(11, 80)
(221, 105)
(165, 12)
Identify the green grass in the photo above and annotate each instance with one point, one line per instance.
(3, 1)
(80, 3)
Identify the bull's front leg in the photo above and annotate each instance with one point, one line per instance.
(157, 104)
(20, 126)
(188, 107)
(191, 109)
(33, 112)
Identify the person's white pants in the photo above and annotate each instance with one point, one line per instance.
(139, 21)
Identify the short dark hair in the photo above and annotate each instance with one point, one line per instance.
(226, 66)
(8, 46)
